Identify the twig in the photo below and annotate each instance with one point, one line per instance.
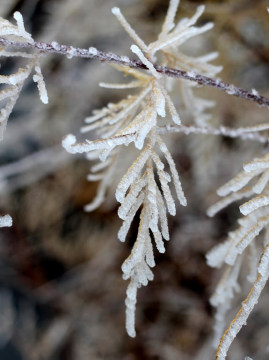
(93, 53)
(222, 130)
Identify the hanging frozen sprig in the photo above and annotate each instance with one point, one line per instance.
(12, 84)
(135, 120)
(242, 244)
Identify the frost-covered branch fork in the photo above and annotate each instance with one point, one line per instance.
(93, 53)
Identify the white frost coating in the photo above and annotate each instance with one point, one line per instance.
(19, 19)
(159, 241)
(223, 203)
(152, 198)
(71, 51)
(159, 164)
(191, 74)
(208, 57)
(255, 128)
(261, 183)
(38, 78)
(168, 24)
(99, 166)
(171, 107)
(116, 11)
(256, 165)
(98, 114)
(131, 174)
(247, 306)
(254, 204)
(128, 219)
(138, 249)
(94, 125)
(222, 297)
(149, 257)
(136, 50)
(215, 257)
(136, 268)
(255, 92)
(131, 198)
(135, 119)
(231, 90)
(189, 22)
(95, 177)
(102, 188)
(263, 267)
(227, 286)
(131, 106)
(253, 262)
(93, 51)
(6, 111)
(21, 29)
(252, 219)
(5, 93)
(125, 59)
(178, 37)
(106, 144)
(55, 45)
(159, 100)
(68, 142)
(163, 216)
(20, 75)
(251, 234)
(5, 221)
(97, 201)
(144, 130)
(138, 122)
(171, 207)
(176, 180)
(130, 85)
(130, 308)
(237, 182)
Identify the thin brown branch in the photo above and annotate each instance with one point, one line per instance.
(93, 53)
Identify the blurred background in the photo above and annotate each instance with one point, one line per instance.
(61, 290)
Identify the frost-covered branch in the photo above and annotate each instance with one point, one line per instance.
(244, 133)
(93, 53)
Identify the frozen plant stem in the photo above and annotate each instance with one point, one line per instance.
(93, 53)
(250, 133)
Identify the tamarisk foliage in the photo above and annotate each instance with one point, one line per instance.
(242, 242)
(135, 119)
(151, 186)
(13, 83)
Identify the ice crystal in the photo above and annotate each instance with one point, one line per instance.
(5, 220)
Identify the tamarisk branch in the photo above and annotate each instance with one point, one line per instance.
(93, 53)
